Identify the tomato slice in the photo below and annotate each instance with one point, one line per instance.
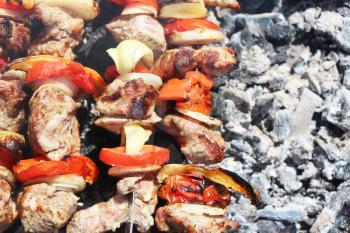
(182, 25)
(11, 7)
(192, 93)
(30, 169)
(6, 158)
(111, 73)
(153, 3)
(3, 63)
(150, 155)
(60, 69)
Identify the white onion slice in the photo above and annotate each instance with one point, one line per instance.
(6, 174)
(136, 9)
(70, 182)
(185, 10)
(85, 9)
(150, 79)
(196, 37)
(210, 121)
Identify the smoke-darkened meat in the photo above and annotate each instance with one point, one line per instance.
(61, 32)
(139, 27)
(8, 210)
(53, 128)
(14, 37)
(193, 218)
(199, 143)
(102, 217)
(133, 99)
(11, 105)
(213, 61)
(43, 208)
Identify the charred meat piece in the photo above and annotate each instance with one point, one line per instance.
(14, 37)
(60, 35)
(133, 99)
(213, 61)
(102, 217)
(193, 218)
(223, 3)
(8, 210)
(139, 27)
(53, 128)
(43, 208)
(198, 142)
(11, 105)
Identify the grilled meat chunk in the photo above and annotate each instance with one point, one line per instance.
(223, 3)
(43, 208)
(14, 37)
(139, 27)
(126, 185)
(101, 217)
(133, 99)
(193, 218)
(61, 32)
(213, 61)
(11, 105)
(199, 143)
(53, 128)
(8, 210)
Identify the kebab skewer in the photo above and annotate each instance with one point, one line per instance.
(51, 179)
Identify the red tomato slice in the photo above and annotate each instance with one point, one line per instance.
(56, 69)
(111, 73)
(182, 25)
(30, 169)
(10, 7)
(3, 63)
(150, 155)
(6, 159)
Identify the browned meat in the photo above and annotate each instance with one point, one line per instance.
(14, 37)
(133, 99)
(193, 218)
(11, 105)
(101, 217)
(126, 185)
(139, 27)
(61, 32)
(223, 3)
(213, 61)
(199, 143)
(8, 210)
(43, 208)
(53, 128)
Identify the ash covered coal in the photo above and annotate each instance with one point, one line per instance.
(286, 113)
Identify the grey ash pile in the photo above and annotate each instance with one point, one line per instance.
(286, 113)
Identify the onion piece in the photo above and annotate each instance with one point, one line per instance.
(210, 121)
(69, 182)
(128, 53)
(150, 79)
(115, 124)
(7, 175)
(127, 171)
(135, 9)
(85, 9)
(184, 10)
(230, 180)
(135, 137)
(196, 37)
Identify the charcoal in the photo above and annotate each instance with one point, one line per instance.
(289, 213)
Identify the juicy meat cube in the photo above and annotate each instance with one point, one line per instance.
(11, 105)
(102, 217)
(14, 37)
(193, 218)
(126, 185)
(223, 3)
(53, 128)
(213, 61)
(8, 209)
(133, 99)
(61, 32)
(144, 28)
(199, 143)
(43, 208)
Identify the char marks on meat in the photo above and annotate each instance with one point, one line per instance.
(133, 99)
(11, 105)
(61, 32)
(53, 128)
(223, 3)
(213, 61)
(43, 208)
(14, 37)
(193, 218)
(139, 27)
(199, 143)
(8, 210)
